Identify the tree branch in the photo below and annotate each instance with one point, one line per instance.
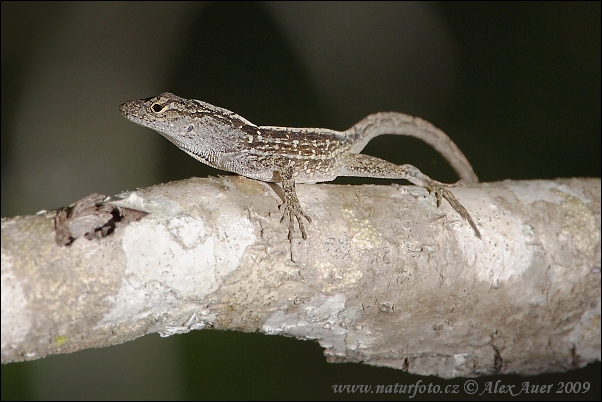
(385, 278)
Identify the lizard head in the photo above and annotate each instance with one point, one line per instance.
(194, 126)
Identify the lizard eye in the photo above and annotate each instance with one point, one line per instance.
(157, 108)
(189, 128)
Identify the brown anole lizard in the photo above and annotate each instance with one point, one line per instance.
(227, 141)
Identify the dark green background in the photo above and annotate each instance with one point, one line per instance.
(525, 105)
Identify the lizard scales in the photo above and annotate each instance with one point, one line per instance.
(227, 141)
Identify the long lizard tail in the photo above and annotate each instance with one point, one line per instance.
(398, 123)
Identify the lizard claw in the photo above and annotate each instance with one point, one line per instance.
(293, 212)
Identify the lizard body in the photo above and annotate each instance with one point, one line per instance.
(227, 141)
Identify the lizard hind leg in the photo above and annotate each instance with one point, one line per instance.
(360, 165)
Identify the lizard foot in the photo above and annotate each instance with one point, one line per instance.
(293, 212)
(441, 191)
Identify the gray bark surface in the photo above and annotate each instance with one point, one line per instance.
(385, 277)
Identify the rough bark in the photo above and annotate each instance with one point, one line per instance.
(385, 278)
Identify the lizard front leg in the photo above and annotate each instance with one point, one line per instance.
(291, 206)
(361, 165)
